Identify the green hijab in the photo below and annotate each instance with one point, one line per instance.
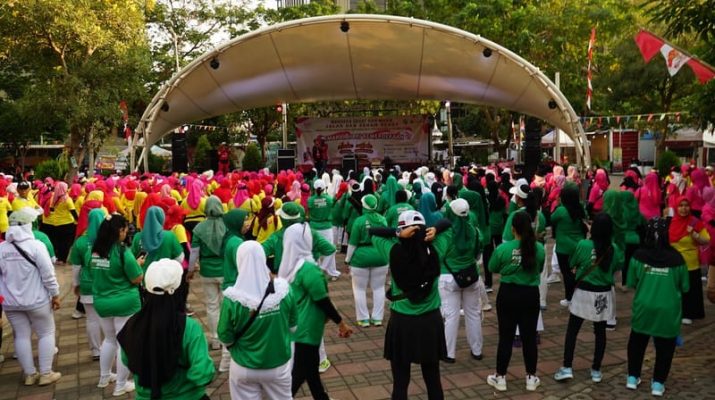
(613, 206)
(465, 234)
(153, 232)
(94, 219)
(291, 213)
(212, 230)
(234, 222)
(457, 180)
(632, 216)
(390, 189)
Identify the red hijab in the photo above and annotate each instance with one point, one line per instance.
(679, 225)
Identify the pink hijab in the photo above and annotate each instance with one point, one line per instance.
(59, 194)
(196, 192)
(241, 195)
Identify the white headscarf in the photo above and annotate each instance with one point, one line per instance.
(253, 278)
(335, 184)
(297, 249)
(326, 179)
(430, 179)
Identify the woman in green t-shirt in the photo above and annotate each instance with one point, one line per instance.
(115, 287)
(155, 242)
(595, 261)
(567, 224)
(660, 277)
(310, 288)
(519, 262)
(261, 351)
(165, 349)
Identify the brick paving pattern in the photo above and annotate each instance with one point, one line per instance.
(360, 372)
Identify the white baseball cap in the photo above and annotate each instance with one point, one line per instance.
(318, 184)
(24, 216)
(409, 218)
(521, 191)
(459, 207)
(163, 276)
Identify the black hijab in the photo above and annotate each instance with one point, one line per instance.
(414, 265)
(656, 250)
(153, 340)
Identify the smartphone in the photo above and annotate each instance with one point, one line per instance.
(142, 254)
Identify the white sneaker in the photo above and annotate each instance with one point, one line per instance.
(687, 321)
(121, 391)
(532, 382)
(564, 303)
(225, 364)
(553, 278)
(487, 307)
(324, 366)
(77, 315)
(498, 382)
(104, 381)
(2, 358)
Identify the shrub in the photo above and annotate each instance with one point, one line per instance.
(252, 159)
(666, 161)
(51, 168)
(202, 154)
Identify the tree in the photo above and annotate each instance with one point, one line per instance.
(76, 61)
(202, 155)
(252, 160)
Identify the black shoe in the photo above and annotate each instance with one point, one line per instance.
(477, 357)
(448, 360)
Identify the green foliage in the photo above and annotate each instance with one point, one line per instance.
(202, 154)
(252, 160)
(684, 17)
(55, 169)
(666, 161)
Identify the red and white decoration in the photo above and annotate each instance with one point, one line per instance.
(650, 45)
(589, 89)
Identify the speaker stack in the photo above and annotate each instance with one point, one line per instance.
(532, 147)
(286, 159)
(178, 152)
(350, 163)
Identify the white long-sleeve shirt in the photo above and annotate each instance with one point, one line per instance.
(23, 285)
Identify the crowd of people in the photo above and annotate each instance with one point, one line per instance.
(428, 243)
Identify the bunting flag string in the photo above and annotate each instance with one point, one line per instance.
(650, 118)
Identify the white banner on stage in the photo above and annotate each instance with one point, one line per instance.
(404, 139)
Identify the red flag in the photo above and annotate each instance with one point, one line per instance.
(650, 45)
(618, 119)
(127, 132)
(650, 117)
(589, 87)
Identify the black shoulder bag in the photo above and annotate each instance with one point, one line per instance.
(254, 314)
(465, 277)
(23, 254)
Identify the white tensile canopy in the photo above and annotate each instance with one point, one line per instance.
(378, 57)
(549, 139)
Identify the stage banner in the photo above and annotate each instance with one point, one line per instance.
(402, 138)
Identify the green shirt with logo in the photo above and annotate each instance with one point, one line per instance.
(320, 210)
(114, 294)
(365, 254)
(308, 287)
(506, 261)
(568, 231)
(584, 257)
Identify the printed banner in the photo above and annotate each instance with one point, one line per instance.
(404, 139)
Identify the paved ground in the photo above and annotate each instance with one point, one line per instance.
(359, 371)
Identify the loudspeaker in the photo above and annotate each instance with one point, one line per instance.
(532, 147)
(285, 159)
(350, 162)
(179, 162)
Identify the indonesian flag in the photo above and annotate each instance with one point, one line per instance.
(650, 45)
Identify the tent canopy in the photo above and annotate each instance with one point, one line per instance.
(550, 139)
(355, 56)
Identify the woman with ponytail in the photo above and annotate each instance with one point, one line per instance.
(519, 261)
(595, 261)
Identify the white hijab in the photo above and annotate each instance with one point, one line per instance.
(253, 278)
(297, 249)
(335, 185)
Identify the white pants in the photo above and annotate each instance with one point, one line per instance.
(248, 384)
(327, 263)
(554, 262)
(455, 298)
(213, 296)
(41, 321)
(613, 321)
(340, 237)
(375, 278)
(543, 286)
(110, 349)
(321, 351)
(94, 331)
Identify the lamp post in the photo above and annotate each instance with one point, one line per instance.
(450, 148)
(285, 124)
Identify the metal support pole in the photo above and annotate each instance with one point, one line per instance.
(90, 147)
(557, 131)
(284, 106)
(146, 151)
(450, 149)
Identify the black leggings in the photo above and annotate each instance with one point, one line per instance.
(517, 305)
(305, 368)
(488, 251)
(567, 274)
(599, 331)
(630, 249)
(664, 349)
(401, 380)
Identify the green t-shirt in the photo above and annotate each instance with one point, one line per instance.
(195, 370)
(320, 210)
(211, 263)
(583, 258)
(169, 248)
(266, 344)
(42, 237)
(114, 293)
(230, 268)
(657, 303)
(81, 254)
(393, 213)
(506, 261)
(405, 306)
(350, 213)
(568, 231)
(308, 287)
(273, 246)
(336, 214)
(365, 254)
(496, 221)
(540, 226)
(449, 255)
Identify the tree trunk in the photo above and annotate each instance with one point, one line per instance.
(666, 99)
(76, 151)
